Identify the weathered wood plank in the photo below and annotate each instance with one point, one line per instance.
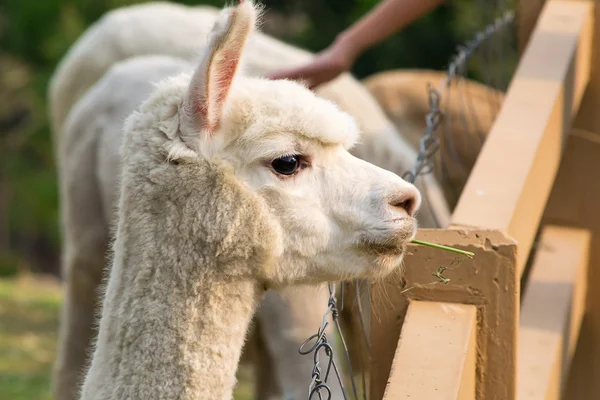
(514, 173)
(436, 354)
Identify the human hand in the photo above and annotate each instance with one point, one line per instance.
(387, 18)
(326, 66)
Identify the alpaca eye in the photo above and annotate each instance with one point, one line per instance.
(286, 165)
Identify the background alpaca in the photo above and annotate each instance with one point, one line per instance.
(89, 151)
(207, 221)
(285, 318)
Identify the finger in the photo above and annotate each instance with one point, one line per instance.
(293, 74)
(319, 79)
(313, 83)
(306, 71)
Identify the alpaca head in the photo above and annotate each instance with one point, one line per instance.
(334, 215)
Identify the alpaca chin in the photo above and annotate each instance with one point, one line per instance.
(385, 264)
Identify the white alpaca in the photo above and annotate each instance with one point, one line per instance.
(230, 185)
(88, 201)
(89, 193)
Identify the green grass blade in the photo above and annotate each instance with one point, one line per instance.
(442, 247)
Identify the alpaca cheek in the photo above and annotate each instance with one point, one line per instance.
(269, 239)
(269, 269)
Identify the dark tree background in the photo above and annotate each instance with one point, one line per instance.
(35, 34)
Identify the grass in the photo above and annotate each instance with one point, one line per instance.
(29, 308)
(442, 247)
(28, 328)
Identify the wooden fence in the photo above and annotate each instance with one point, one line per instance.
(520, 320)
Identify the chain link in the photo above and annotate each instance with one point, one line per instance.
(318, 385)
(428, 148)
(430, 144)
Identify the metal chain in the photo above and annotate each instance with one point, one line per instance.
(318, 385)
(428, 148)
(430, 144)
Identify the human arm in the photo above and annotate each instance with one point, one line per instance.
(387, 18)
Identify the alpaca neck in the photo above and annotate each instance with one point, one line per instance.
(180, 296)
(162, 337)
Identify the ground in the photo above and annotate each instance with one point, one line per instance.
(29, 308)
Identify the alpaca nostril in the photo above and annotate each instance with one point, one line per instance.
(406, 202)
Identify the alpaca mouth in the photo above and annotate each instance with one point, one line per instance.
(395, 245)
(385, 261)
(384, 249)
(392, 242)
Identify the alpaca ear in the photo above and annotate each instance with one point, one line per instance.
(218, 67)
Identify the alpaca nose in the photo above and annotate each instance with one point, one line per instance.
(406, 200)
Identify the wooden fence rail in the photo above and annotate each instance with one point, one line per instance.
(551, 312)
(451, 376)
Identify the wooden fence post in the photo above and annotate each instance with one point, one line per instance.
(489, 282)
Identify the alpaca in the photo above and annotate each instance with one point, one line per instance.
(230, 185)
(94, 128)
(286, 317)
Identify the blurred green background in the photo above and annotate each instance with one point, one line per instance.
(34, 35)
